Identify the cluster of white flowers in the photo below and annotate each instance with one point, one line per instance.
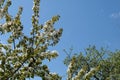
(91, 72)
(7, 24)
(49, 54)
(48, 26)
(3, 10)
(54, 52)
(35, 8)
(70, 70)
(52, 76)
(51, 33)
(80, 74)
(1, 70)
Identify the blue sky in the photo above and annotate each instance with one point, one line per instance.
(85, 22)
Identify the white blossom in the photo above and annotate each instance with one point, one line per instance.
(54, 52)
(53, 73)
(1, 70)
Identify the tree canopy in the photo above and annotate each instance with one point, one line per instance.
(104, 63)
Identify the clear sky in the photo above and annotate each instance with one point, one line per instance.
(85, 22)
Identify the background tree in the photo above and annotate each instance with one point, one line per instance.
(105, 64)
(22, 56)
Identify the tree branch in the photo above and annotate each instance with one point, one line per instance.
(14, 43)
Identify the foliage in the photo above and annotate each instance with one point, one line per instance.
(22, 56)
(104, 63)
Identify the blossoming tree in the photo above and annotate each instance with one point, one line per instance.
(22, 56)
(94, 64)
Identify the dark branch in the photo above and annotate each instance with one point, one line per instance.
(14, 43)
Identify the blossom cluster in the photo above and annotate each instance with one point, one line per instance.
(4, 9)
(82, 74)
(71, 68)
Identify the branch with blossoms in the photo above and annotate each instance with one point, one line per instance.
(82, 74)
(22, 56)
